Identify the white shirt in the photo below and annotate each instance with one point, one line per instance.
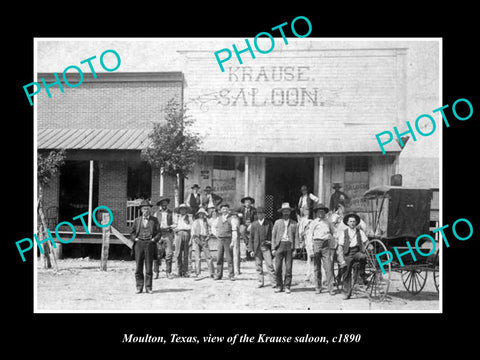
(261, 221)
(213, 225)
(181, 224)
(353, 237)
(303, 200)
(320, 229)
(285, 233)
(162, 214)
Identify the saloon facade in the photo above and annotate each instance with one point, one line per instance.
(292, 118)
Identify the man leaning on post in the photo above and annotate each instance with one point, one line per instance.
(145, 234)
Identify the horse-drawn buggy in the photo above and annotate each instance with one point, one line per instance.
(395, 215)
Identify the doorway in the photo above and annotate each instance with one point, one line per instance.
(283, 179)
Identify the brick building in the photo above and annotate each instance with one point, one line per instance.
(103, 125)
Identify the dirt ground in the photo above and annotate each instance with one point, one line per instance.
(80, 285)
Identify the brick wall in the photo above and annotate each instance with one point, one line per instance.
(106, 105)
(113, 191)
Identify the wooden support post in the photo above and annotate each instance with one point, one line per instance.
(105, 241)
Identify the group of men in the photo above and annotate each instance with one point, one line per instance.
(191, 228)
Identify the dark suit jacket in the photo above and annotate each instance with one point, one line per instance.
(154, 227)
(279, 229)
(252, 216)
(259, 235)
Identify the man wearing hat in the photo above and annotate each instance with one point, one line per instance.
(200, 237)
(321, 233)
(284, 243)
(165, 245)
(259, 246)
(145, 233)
(247, 215)
(194, 199)
(351, 244)
(338, 197)
(306, 201)
(182, 225)
(210, 200)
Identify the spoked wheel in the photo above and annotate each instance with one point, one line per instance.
(377, 281)
(414, 280)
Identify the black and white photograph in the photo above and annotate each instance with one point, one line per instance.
(228, 175)
(225, 181)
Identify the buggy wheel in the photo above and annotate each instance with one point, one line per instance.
(414, 280)
(377, 282)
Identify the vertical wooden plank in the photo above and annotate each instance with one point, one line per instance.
(320, 180)
(105, 241)
(90, 196)
(247, 169)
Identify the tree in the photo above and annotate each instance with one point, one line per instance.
(173, 146)
(47, 167)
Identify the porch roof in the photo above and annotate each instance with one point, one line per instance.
(92, 139)
(137, 139)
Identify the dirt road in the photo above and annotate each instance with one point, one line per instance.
(80, 285)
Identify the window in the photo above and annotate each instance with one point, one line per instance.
(139, 181)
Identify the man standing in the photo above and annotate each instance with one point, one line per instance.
(338, 197)
(145, 233)
(247, 215)
(200, 238)
(194, 199)
(351, 244)
(259, 246)
(210, 200)
(321, 231)
(165, 245)
(226, 228)
(284, 243)
(182, 224)
(306, 201)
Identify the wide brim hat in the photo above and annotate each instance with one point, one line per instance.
(182, 206)
(163, 199)
(195, 186)
(347, 216)
(285, 206)
(321, 207)
(202, 211)
(247, 198)
(145, 203)
(337, 185)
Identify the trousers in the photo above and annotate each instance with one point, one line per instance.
(144, 254)
(263, 254)
(182, 239)
(354, 255)
(322, 256)
(224, 249)
(201, 244)
(165, 249)
(284, 252)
